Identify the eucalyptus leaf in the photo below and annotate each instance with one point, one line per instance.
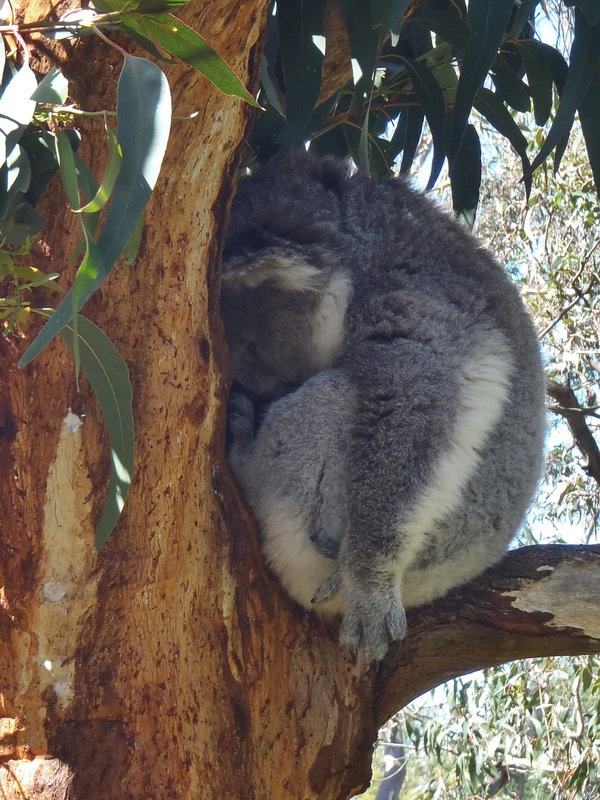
(388, 13)
(583, 64)
(108, 376)
(589, 116)
(539, 77)
(110, 176)
(431, 100)
(487, 22)
(301, 61)
(143, 124)
(493, 109)
(178, 39)
(465, 177)
(52, 89)
(16, 109)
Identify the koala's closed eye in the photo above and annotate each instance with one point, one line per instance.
(401, 393)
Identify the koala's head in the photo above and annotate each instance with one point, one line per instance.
(284, 293)
(284, 321)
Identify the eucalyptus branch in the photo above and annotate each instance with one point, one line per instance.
(583, 437)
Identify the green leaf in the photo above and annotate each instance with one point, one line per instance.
(582, 69)
(487, 22)
(431, 100)
(22, 223)
(589, 116)
(301, 60)
(52, 89)
(448, 25)
(15, 175)
(493, 109)
(364, 43)
(413, 121)
(143, 123)
(109, 378)
(465, 177)
(177, 39)
(110, 176)
(522, 16)
(388, 13)
(510, 86)
(539, 78)
(16, 109)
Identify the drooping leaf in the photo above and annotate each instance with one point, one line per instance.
(388, 13)
(52, 89)
(16, 109)
(15, 175)
(143, 123)
(301, 58)
(510, 86)
(465, 177)
(108, 376)
(589, 116)
(522, 16)
(487, 22)
(539, 78)
(431, 100)
(179, 40)
(110, 176)
(143, 126)
(412, 133)
(364, 43)
(583, 63)
(493, 109)
(21, 224)
(448, 25)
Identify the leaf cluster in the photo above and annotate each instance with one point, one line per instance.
(426, 65)
(527, 730)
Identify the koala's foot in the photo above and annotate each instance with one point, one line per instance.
(240, 420)
(374, 617)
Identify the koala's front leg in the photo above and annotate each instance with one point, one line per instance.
(374, 615)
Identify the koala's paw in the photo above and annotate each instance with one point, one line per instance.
(240, 420)
(372, 620)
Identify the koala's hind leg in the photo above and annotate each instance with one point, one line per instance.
(294, 475)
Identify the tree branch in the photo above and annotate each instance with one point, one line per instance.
(539, 601)
(571, 410)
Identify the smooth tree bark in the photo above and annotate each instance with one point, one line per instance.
(171, 664)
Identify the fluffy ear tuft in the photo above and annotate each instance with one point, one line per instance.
(285, 271)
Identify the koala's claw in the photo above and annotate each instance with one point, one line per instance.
(329, 588)
(240, 419)
(369, 628)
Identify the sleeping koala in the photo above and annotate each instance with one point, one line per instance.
(404, 393)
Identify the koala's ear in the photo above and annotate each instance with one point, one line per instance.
(285, 271)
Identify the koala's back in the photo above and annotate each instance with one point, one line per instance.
(422, 429)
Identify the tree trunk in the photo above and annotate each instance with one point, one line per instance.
(171, 665)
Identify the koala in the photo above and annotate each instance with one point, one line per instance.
(400, 389)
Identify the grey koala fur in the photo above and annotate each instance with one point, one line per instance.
(404, 392)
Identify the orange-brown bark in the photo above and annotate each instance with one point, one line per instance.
(171, 664)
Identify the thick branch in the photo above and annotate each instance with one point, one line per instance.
(539, 601)
(571, 410)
